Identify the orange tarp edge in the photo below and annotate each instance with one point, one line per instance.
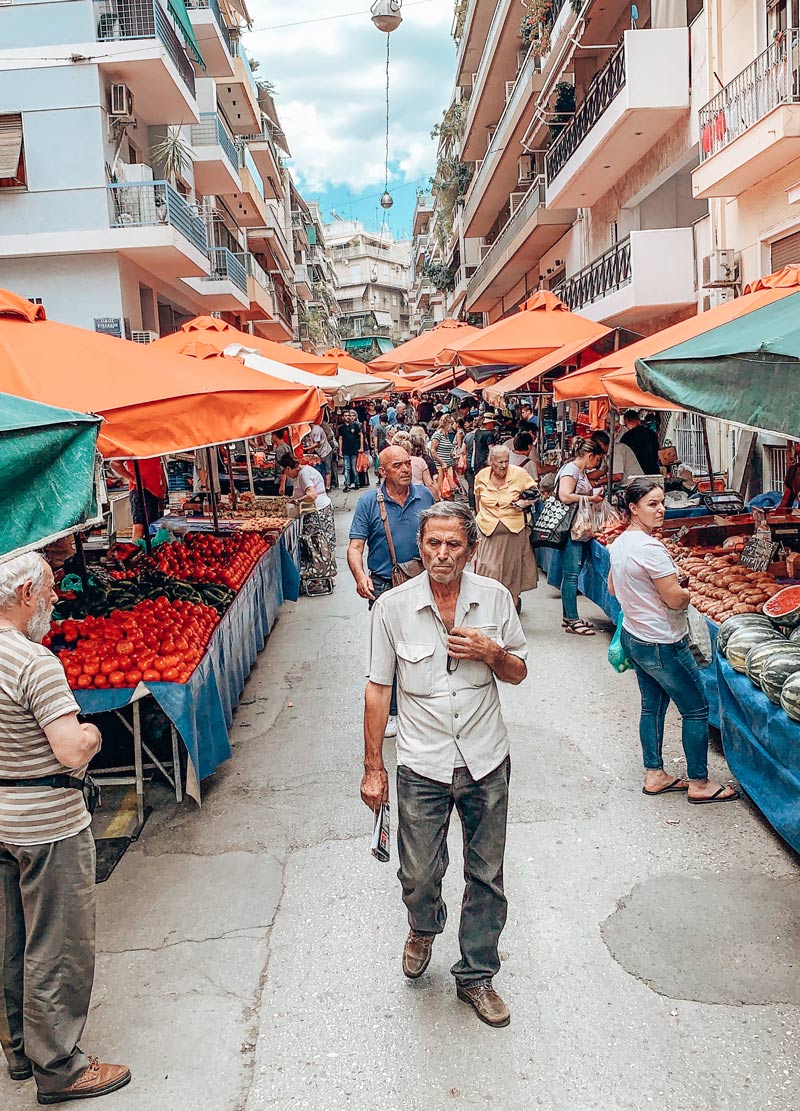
(219, 335)
(518, 379)
(419, 353)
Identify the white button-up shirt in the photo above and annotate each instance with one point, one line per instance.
(441, 714)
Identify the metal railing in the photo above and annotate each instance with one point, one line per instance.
(238, 51)
(245, 162)
(534, 197)
(213, 6)
(256, 271)
(117, 20)
(611, 271)
(226, 266)
(264, 136)
(150, 203)
(772, 79)
(211, 131)
(608, 84)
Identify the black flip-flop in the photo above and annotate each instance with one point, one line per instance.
(716, 797)
(670, 787)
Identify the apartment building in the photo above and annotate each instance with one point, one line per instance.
(373, 271)
(425, 301)
(141, 181)
(316, 324)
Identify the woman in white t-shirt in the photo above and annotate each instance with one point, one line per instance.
(318, 538)
(654, 600)
(571, 484)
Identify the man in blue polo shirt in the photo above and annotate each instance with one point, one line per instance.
(404, 501)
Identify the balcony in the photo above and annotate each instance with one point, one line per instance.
(142, 48)
(248, 205)
(216, 158)
(213, 37)
(498, 63)
(153, 225)
(266, 157)
(473, 38)
(302, 282)
(260, 289)
(238, 95)
(528, 232)
(225, 288)
(649, 274)
(638, 95)
(752, 127)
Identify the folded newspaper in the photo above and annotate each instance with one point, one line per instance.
(380, 833)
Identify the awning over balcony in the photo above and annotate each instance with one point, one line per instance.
(178, 10)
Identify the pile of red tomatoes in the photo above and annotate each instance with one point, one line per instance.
(156, 641)
(203, 558)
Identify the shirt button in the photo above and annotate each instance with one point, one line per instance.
(454, 694)
(458, 736)
(455, 715)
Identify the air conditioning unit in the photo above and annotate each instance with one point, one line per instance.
(720, 269)
(514, 201)
(717, 297)
(121, 99)
(526, 168)
(144, 337)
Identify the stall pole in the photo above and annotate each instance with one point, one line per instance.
(612, 430)
(707, 449)
(148, 546)
(540, 422)
(229, 461)
(212, 493)
(249, 467)
(82, 569)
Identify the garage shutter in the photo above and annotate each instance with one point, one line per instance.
(785, 252)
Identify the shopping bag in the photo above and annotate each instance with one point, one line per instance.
(699, 638)
(551, 527)
(461, 463)
(616, 653)
(446, 488)
(604, 516)
(362, 462)
(583, 524)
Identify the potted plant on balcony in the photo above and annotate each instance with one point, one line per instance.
(173, 154)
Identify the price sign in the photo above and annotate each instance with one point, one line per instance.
(758, 553)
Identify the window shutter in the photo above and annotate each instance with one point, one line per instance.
(785, 252)
(11, 147)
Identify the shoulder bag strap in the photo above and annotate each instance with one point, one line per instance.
(385, 519)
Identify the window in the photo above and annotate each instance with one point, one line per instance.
(12, 154)
(355, 275)
(394, 299)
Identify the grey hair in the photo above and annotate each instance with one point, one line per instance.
(449, 511)
(14, 573)
(496, 448)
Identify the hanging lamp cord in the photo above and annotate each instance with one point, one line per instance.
(386, 156)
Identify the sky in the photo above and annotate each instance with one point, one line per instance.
(330, 76)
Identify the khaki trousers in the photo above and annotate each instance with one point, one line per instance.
(47, 947)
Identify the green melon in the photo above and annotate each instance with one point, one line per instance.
(783, 663)
(784, 607)
(740, 621)
(758, 657)
(744, 640)
(790, 696)
(794, 634)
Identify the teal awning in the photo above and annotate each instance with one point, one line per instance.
(47, 461)
(359, 344)
(311, 232)
(178, 10)
(384, 344)
(746, 371)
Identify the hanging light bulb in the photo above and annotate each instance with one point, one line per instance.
(386, 14)
(387, 200)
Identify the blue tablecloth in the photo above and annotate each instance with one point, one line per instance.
(202, 709)
(290, 561)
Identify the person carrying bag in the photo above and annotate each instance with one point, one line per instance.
(401, 572)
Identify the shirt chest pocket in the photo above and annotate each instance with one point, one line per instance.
(415, 667)
(476, 673)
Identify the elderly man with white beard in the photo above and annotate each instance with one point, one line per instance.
(47, 858)
(448, 636)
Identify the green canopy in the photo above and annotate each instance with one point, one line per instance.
(47, 461)
(746, 371)
(178, 10)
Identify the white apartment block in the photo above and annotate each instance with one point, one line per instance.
(141, 180)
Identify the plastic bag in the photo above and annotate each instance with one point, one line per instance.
(583, 524)
(616, 653)
(605, 516)
(699, 638)
(446, 488)
(362, 463)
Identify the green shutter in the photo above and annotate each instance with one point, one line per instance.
(178, 10)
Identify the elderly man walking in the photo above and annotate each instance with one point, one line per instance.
(47, 858)
(447, 636)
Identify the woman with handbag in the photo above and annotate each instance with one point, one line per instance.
(654, 637)
(504, 552)
(442, 453)
(318, 533)
(572, 484)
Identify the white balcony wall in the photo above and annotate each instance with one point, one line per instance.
(44, 23)
(75, 289)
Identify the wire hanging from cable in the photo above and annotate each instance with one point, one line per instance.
(387, 200)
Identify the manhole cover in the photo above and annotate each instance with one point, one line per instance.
(731, 939)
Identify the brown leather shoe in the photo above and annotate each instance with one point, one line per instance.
(417, 954)
(486, 1003)
(97, 1080)
(21, 1072)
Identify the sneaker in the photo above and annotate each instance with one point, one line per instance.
(97, 1080)
(486, 1003)
(391, 727)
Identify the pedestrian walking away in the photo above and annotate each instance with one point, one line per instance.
(504, 550)
(351, 442)
(642, 441)
(654, 601)
(447, 636)
(318, 532)
(47, 857)
(572, 484)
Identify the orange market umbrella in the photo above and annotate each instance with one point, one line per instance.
(218, 334)
(519, 379)
(420, 352)
(341, 359)
(446, 379)
(543, 324)
(153, 402)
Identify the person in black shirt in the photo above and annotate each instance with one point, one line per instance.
(642, 441)
(527, 421)
(351, 442)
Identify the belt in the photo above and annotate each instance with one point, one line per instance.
(87, 786)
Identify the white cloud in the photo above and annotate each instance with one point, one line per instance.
(330, 78)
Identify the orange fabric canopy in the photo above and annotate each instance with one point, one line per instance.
(153, 402)
(543, 324)
(518, 379)
(219, 335)
(341, 359)
(419, 353)
(446, 379)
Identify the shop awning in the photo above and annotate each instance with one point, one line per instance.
(420, 352)
(219, 335)
(385, 345)
(519, 379)
(153, 401)
(341, 387)
(446, 378)
(48, 498)
(543, 324)
(178, 10)
(746, 371)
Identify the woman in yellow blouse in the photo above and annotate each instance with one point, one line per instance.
(504, 552)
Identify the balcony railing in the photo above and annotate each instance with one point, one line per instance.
(264, 136)
(256, 271)
(358, 327)
(213, 6)
(154, 203)
(226, 266)
(609, 272)
(514, 224)
(211, 131)
(772, 79)
(117, 20)
(608, 84)
(239, 52)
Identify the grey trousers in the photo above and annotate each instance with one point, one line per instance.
(47, 947)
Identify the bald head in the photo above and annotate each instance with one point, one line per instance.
(395, 470)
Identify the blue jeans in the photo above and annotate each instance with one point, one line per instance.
(573, 557)
(350, 474)
(668, 671)
(424, 807)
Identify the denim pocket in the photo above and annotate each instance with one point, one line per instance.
(647, 656)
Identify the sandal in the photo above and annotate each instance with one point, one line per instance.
(675, 785)
(718, 796)
(579, 628)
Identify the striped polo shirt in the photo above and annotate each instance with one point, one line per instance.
(33, 693)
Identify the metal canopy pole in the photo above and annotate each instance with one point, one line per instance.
(212, 493)
(82, 569)
(249, 467)
(140, 488)
(613, 429)
(707, 448)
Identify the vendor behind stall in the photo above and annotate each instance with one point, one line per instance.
(154, 488)
(791, 483)
(642, 441)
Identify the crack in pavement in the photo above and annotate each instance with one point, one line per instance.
(228, 935)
